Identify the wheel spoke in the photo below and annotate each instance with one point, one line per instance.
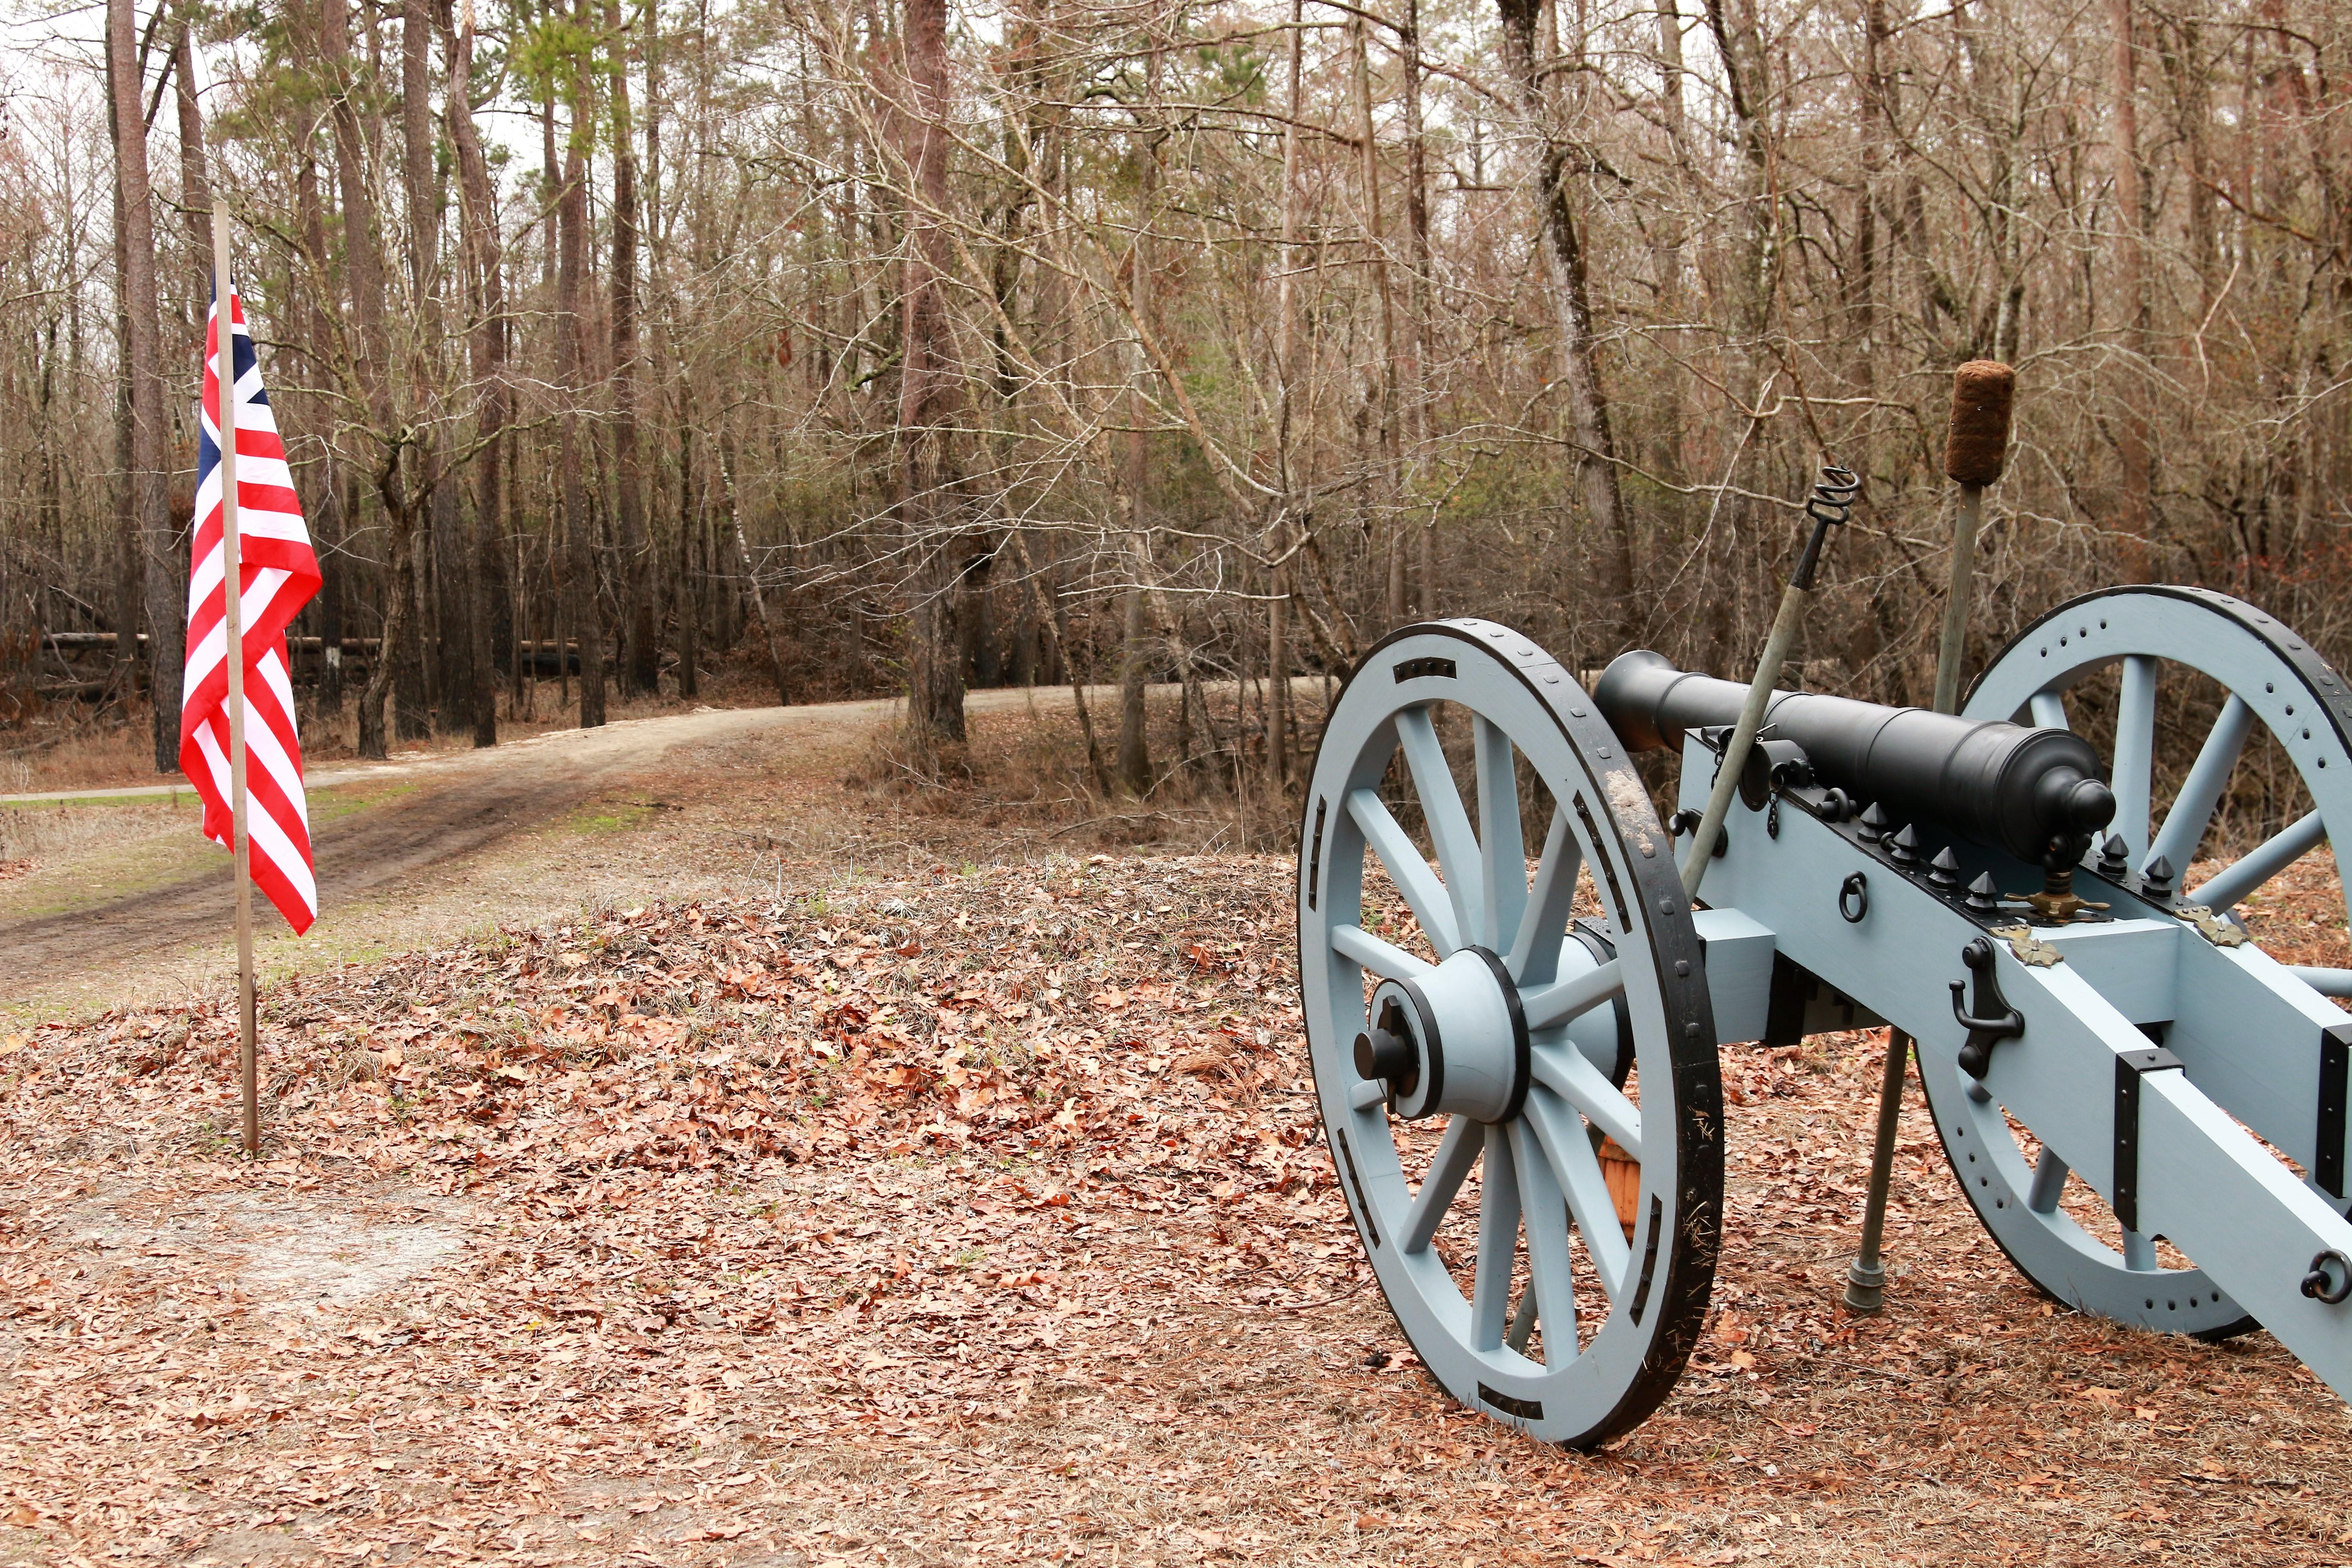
(1384, 959)
(1457, 1150)
(2139, 1253)
(2192, 812)
(1523, 1320)
(1498, 1244)
(2049, 1181)
(1502, 848)
(2266, 860)
(2134, 751)
(1569, 1073)
(1449, 823)
(1552, 1277)
(2048, 710)
(1564, 999)
(1535, 953)
(1410, 873)
(1577, 1168)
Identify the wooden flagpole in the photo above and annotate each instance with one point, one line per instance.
(232, 595)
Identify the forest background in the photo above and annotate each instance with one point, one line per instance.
(890, 344)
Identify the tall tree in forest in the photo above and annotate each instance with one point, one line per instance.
(126, 603)
(322, 480)
(150, 512)
(1565, 269)
(2129, 287)
(452, 572)
(640, 637)
(485, 261)
(927, 383)
(1137, 653)
(372, 371)
(582, 604)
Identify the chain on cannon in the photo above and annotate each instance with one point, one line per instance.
(1516, 1054)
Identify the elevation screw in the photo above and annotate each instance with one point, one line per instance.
(1871, 825)
(1904, 847)
(1984, 896)
(1943, 871)
(2115, 857)
(2156, 882)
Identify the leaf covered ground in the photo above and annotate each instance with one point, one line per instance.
(978, 1214)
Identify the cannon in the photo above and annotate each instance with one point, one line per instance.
(1514, 1008)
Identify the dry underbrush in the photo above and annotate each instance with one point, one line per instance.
(1024, 777)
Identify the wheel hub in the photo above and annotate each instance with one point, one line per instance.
(1453, 1042)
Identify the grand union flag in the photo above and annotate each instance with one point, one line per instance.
(278, 573)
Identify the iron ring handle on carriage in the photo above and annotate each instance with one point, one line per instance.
(1993, 1020)
(2330, 1279)
(1853, 898)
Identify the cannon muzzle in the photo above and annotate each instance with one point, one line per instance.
(1997, 783)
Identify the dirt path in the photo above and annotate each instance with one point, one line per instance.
(418, 850)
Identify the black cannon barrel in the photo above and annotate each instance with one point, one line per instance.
(1995, 782)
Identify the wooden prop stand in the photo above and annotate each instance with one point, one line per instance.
(232, 597)
(1975, 448)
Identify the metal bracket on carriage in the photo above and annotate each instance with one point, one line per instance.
(2031, 950)
(1989, 1018)
(2212, 927)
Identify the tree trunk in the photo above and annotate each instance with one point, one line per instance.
(1563, 251)
(363, 266)
(196, 188)
(1387, 494)
(324, 499)
(641, 637)
(478, 215)
(689, 567)
(165, 591)
(1135, 649)
(927, 389)
(582, 606)
(1413, 376)
(451, 645)
(768, 637)
(123, 493)
(2133, 511)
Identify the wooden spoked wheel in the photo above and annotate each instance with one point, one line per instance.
(2270, 676)
(1492, 1048)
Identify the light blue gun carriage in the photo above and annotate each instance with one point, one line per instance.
(1986, 883)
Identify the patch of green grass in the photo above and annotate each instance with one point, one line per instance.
(182, 798)
(608, 816)
(329, 804)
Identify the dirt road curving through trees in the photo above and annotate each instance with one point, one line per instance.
(133, 902)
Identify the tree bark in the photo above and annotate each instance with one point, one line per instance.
(485, 262)
(769, 640)
(123, 492)
(641, 636)
(323, 499)
(166, 592)
(2133, 511)
(926, 394)
(583, 606)
(1563, 254)
(363, 266)
(1387, 493)
(453, 574)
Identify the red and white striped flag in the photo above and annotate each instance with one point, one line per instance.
(278, 573)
